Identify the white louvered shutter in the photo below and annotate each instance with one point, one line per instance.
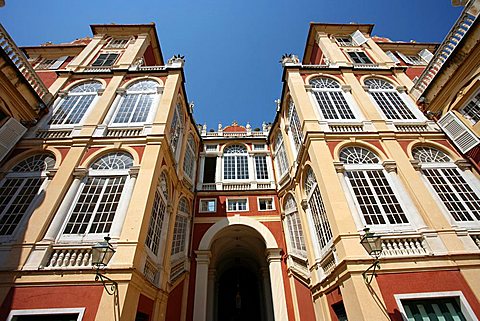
(392, 56)
(426, 55)
(359, 38)
(10, 134)
(464, 138)
(405, 58)
(58, 63)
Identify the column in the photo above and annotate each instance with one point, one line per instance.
(251, 170)
(274, 259)
(201, 168)
(267, 293)
(211, 294)
(218, 173)
(201, 286)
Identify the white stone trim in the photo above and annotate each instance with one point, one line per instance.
(80, 312)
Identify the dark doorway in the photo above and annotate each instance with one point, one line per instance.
(238, 296)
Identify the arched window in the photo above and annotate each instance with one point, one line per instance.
(389, 100)
(460, 198)
(331, 99)
(294, 225)
(19, 189)
(295, 128)
(135, 106)
(93, 212)
(176, 130)
(180, 230)
(190, 157)
(159, 210)
(280, 155)
(74, 106)
(235, 162)
(317, 210)
(371, 189)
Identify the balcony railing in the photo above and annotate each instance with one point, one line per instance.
(412, 245)
(63, 257)
(20, 61)
(240, 186)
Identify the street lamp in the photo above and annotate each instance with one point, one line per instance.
(373, 245)
(102, 252)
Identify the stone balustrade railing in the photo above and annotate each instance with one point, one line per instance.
(68, 257)
(151, 272)
(244, 186)
(476, 239)
(176, 271)
(20, 61)
(403, 246)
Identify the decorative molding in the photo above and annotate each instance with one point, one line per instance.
(390, 166)
(463, 164)
(339, 167)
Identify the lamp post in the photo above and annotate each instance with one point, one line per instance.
(373, 245)
(102, 252)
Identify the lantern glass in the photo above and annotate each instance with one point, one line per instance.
(102, 252)
(372, 243)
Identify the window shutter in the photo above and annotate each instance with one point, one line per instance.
(58, 63)
(359, 38)
(426, 55)
(464, 138)
(405, 58)
(100, 60)
(10, 134)
(392, 56)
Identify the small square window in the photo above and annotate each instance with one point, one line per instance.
(235, 205)
(258, 146)
(105, 60)
(345, 41)
(359, 57)
(208, 206)
(211, 148)
(117, 43)
(46, 64)
(265, 204)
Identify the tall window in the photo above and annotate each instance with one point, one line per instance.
(159, 211)
(295, 126)
(373, 195)
(359, 57)
(388, 99)
(317, 210)
(189, 161)
(180, 230)
(19, 188)
(261, 169)
(105, 60)
(176, 130)
(460, 198)
(93, 211)
(235, 162)
(294, 225)
(471, 110)
(281, 161)
(331, 99)
(74, 106)
(136, 105)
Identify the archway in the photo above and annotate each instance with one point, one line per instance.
(239, 275)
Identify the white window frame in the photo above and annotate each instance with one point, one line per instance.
(31, 312)
(106, 53)
(111, 44)
(464, 305)
(341, 43)
(200, 210)
(295, 131)
(121, 98)
(161, 190)
(476, 102)
(235, 156)
(257, 147)
(347, 52)
(237, 199)
(288, 214)
(181, 255)
(280, 155)
(267, 168)
(178, 122)
(190, 151)
(208, 148)
(265, 198)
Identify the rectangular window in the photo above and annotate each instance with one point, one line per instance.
(433, 309)
(471, 111)
(46, 64)
(345, 41)
(209, 169)
(211, 148)
(69, 314)
(359, 57)
(265, 204)
(105, 60)
(416, 60)
(258, 146)
(179, 234)
(234, 205)
(235, 167)
(261, 169)
(117, 43)
(208, 206)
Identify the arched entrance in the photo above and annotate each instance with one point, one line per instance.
(239, 274)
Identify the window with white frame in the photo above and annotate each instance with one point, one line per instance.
(261, 169)
(265, 204)
(105, 60)
(180, 230)
(295, 127)
(20, 188)
(331, 99)
(208, 206)
(235, 162)
(159, 212)
(51, 64)
(93, 212)
(135, 105)
(190, 159)
(74, 106)
(176, 129)
(359, 57)
(236, 205)
(388, 100)
(460, 197)
(117, 43)
(317, 210)
(55, 314)
(258, 146)
(345, 41)
(211, 148)
(280, 155)
(373, 194)
(471, 110)
(435, 309)
(294, 225)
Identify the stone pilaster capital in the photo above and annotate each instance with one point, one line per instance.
(304, 204)
(463, 164)
(339, 167)
(401, 89)
(121, 91)
(347, 88)
(133, 171)
(390, 166)
(80, 172)
(416, 164)
(62, 93)
(51, 173)
(273, 255)
(203, 257)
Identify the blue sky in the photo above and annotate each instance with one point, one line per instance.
(232, 48)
